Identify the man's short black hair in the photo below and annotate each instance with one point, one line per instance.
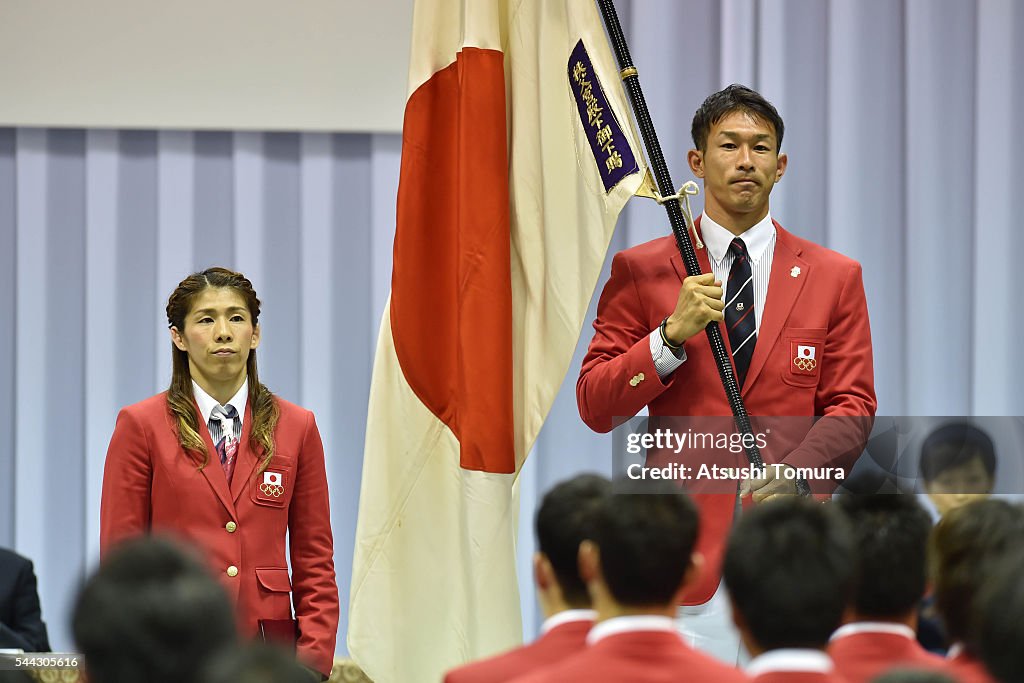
(564, 520)
(789, 567)
(999, 617)
(151, 612)
(953, 445)
(255, 663)
(891, 535)
(646, 534)
(963, 542)
(734, 98)
(901, 675)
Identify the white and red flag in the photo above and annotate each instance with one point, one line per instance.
(517, 156)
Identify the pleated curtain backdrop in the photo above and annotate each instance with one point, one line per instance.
(900, 121)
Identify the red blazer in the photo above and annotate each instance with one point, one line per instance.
(966, 668)
(151, 485)
(557, 644)
(638, 657)
(815, 298)
(860, 657)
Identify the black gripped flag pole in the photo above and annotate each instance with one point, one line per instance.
(675, 214)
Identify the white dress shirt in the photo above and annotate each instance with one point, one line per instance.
(760, 241)
(207, 403)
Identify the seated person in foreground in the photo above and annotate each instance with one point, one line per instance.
(564, 520)
(789, 570)
(891, 533)
(21, 619)
(964, 544)
(636, 566)
(256, 662)
(999, 618)
(913, 676)
(152, 613)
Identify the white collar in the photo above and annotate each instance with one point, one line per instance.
(207, 403)
(757, 237)
(628, 624)
(790, 659)
(567, 616)
(887, 627)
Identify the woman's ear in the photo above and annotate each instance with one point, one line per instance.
(178, 340)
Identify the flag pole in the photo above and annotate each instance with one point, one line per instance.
(631, 80)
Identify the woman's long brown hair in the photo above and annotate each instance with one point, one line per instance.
(180, 398)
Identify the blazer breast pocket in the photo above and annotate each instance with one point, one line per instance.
(273, 486)
(805, 347)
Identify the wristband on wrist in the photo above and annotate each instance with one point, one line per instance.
(664, 337)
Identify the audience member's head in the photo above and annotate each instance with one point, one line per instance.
(15, 676)
(912, 676)
(641, 549)
(962, 544)
(891, 537)
(151, 612)
(958, 465)
(255, 663)
(790, 570)
(998, 631)
(564, 520)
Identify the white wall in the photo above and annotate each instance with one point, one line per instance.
(331, 65)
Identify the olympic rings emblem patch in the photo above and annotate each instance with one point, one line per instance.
(271, 490)
(805, 361)
(805, 364)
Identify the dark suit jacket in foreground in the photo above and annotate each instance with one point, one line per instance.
(21, 620)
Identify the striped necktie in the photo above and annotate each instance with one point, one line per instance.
(739, 309)
(222, 431)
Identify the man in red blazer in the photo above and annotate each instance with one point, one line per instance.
(789, 569)
(228, 499)
(891, 533)
(810, 351)
(635, 566)
(564, 520)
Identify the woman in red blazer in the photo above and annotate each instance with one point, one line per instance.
(239, 499)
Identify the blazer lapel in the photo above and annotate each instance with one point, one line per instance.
(246, 459)
(783, 289)
(213, 471)
(702, 256)
(705, 267)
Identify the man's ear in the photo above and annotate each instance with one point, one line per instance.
(695, 159)
(542, 571)
(177, 339)
(693, 570)
(780, 166)
(589, 561)
(737, 616)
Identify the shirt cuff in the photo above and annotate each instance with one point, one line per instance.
(665, 359)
